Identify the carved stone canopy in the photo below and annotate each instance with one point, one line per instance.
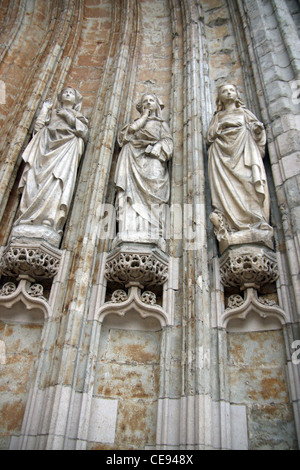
(248, 266)
(144, 305)
(251, 305)
(23, 303)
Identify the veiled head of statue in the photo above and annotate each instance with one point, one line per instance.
(77, 97)
(159, 104)
(224, 91)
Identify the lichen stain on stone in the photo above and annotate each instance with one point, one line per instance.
(269, 389)
(136, 420)
(138, 353)
(125, 384)
(16, 372)
(273, 388)
(238, 353)
(9, 330)
(133, 346)
(11, 415)
(259, 349)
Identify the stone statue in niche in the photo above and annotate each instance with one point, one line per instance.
(52, 158)
(239, 191)
(142, 177)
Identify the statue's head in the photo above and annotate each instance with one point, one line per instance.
(225, 91)
(153, 101)
(70, 94)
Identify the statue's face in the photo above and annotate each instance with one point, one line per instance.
(227, 93)
(149, 102)
(68, 96)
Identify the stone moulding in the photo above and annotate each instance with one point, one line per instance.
(31, 296)
(137, 265)
(133, 302)
(240, 308)
(36, 260)
(248, 266)
(146, 298)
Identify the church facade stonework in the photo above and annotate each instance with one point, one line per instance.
(150, 234)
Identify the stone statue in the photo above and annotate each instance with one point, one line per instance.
(142, 177)
(52, 158)
(237, 177)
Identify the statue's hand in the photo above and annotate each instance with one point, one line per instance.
(48, 104)
(139, 123)
(146, 112)
(156, 150)
(67, 115)
(257, 128)
(42, 116)
(62, 112)
(148, 150)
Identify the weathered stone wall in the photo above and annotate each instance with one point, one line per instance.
(19, 348)
(127, 372)
(196, 383)
(258, 385)
(224, 59)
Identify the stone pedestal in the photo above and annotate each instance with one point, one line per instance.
(244, 237)
(26, 234)
(35, 260)
(248, 266)
(137, 264)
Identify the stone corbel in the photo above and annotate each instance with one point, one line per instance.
(240, 307)
(144, 304)
(25, 269)
(136, 267)
(37, 260)
(37, 309)
(248, 266)
(143, 265)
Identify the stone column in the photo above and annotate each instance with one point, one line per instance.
(193, 410)
(273, 53)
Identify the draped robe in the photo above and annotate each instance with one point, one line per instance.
(142, 180)
(236, 172)
(48, 180)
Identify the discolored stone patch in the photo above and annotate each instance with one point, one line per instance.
(257, 378)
